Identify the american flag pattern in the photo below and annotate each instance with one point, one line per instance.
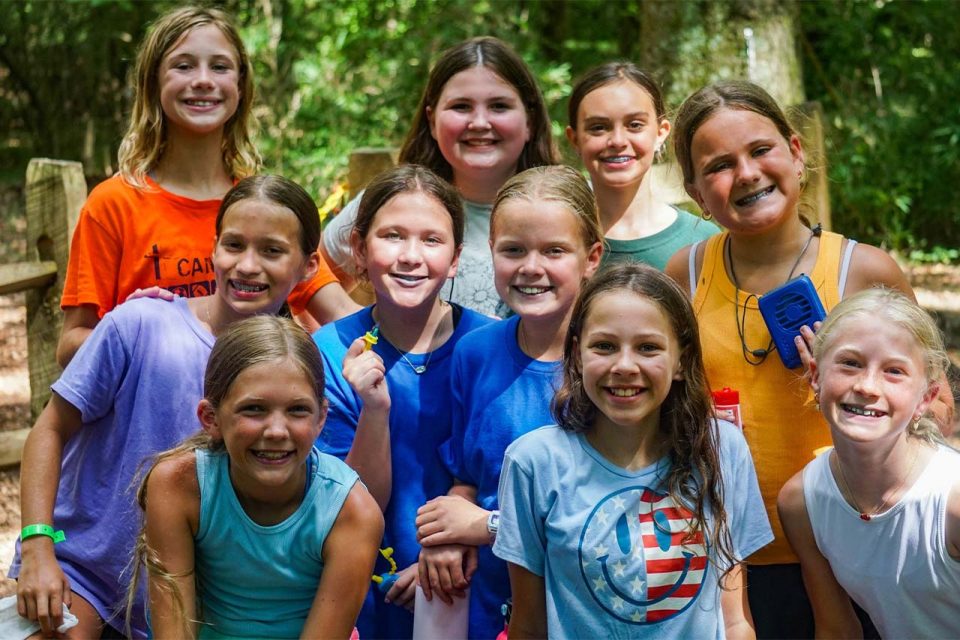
(639, 559)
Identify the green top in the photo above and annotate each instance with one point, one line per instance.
(656, 250)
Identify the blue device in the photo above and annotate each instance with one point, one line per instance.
(786, 309)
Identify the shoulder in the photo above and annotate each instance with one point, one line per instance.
(870, 266)
(471, 320)
(733, 446)
(360, 512)
(478, 340)
(337, 336)
(542, 445)
(791, 503)
(678, 268)
(175, 476)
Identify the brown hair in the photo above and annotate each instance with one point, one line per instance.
(244, 344)
(556, 183)
(282, 192)
(145, 141)
(607, 74)
(730, 94)
(686, 422)
(497, 56)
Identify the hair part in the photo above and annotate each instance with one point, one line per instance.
(897, 309)
(283, 193)
(419, 147)
(244, 344)
(145, 140)
(609, 73)
(557, 183)
(686, 416)
(729, 94)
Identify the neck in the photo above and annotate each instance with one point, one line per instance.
(874, 477)
(542, 338)
(632, 212)
(630, 448)
(215, 314)
(270, 505)
(482, 187)
(417, 330)
(192, 166)
(763, 261)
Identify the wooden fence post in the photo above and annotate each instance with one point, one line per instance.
(364, 165)
(55, 191)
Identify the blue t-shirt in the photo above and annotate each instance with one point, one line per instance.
(612, 545)
(260, 581)
(136, 380)
(499, 393)
(419, 424)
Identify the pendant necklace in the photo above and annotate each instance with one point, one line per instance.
(756, 357)
(866, 517)
(418, 369)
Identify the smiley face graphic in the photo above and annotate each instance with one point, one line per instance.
(639, 558)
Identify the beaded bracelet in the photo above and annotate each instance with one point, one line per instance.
(32, 530)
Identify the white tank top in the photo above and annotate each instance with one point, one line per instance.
(895, 566)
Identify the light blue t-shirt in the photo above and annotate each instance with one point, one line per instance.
(136, 381)
(499, 393)
(472, 287)
(419, 423)
(612, 545)
(259, 581)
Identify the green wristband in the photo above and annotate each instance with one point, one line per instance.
(32, 530)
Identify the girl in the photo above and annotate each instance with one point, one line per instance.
(631, 516)
(546, 241)
(271, 537)
(481, 119)
(878, 516)
(188, 142)
(744, 166)
(618, 126)
(390, 405)
(113, 407)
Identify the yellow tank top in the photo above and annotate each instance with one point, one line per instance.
(780, 421)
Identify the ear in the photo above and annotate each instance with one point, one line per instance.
(571, 134)
(796, 150)
(694, 193)
(322, 417)
(310, 266)
(359, 249)
(432, 121)
(662, 132)
(207, 414)
(814, 375)
(594, 254)
(678, 373)
(933, 390)
(452, 271)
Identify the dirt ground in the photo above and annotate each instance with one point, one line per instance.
(937, 287)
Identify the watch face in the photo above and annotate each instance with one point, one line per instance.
(493, 522)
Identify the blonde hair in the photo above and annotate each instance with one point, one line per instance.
(556, 183)
(244, 344)
(145, 141)
(897, 309)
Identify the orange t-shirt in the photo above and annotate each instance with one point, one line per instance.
(129, 238)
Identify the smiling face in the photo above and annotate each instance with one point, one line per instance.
(257, 258)
(539, 257)
(745, 173)
(409, 251)
(629, 357)
(617, 134)
(480, 125)
(871, 379)
(199, 82)
(268, 421)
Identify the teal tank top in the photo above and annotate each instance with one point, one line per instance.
(260, 581)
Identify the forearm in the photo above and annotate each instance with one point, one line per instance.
(463, 490)
(331, 303)
(69, 343)
(370, 454)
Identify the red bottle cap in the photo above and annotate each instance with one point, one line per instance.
(726, 396)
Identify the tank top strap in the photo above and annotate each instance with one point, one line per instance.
(826, 272)
(712, 266)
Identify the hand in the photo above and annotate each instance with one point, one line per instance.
(404, 590)
(452, 519)
(151, 292)
(366, 374)
(42, 587)
(445, 570)
(804, 344)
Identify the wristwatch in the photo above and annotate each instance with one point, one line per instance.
(493, 523)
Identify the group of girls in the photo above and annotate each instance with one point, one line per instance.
(637, 514)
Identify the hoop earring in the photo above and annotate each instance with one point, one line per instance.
(706, 215)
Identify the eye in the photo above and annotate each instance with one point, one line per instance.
(556, 251)
(510, 250)
(597, 128)
(182, 66)
(603, 346)
(231, 245)
(301, 410)
(760, 151)
(649, 347)
(251, 408)
(501, 106)
(274, 252)
(636, 125)
(717, 167)
(461, 106)
(390, 235)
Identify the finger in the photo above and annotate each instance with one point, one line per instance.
(407, 596)
(43, 614)
(470, 562)
(423, 572)
(67, 593)
(356, 348)
(433, 581)
(56, 610)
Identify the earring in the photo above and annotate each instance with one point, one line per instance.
(706, 215)
(658, 154)
(816, 400)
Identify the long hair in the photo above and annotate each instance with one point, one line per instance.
(609, 73)
(246, 343)
(686, 415)
(145, 141)
(419, 147)
(897, 309)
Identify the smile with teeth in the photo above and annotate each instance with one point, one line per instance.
(248, 287)
(624, 393)
(202, 103)
(617, 159)
(860, 411)
(530, 290)
(405, 277)
(272, 455)
(756, 196)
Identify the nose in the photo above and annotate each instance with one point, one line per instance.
(747, 171)
(249, 262)
(479, 119)
(531, 264)
(866, 383)
(616, 137)
(625, 362)
(203, 77)
(276, 426)
(412, 252)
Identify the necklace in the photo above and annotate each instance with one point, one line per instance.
(866, 517)
(418, 369)
(756, 357)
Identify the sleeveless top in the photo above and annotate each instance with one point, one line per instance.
(896, 566)
(255, 580)
(780, 419)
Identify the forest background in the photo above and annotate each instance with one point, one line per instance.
(334, 75)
